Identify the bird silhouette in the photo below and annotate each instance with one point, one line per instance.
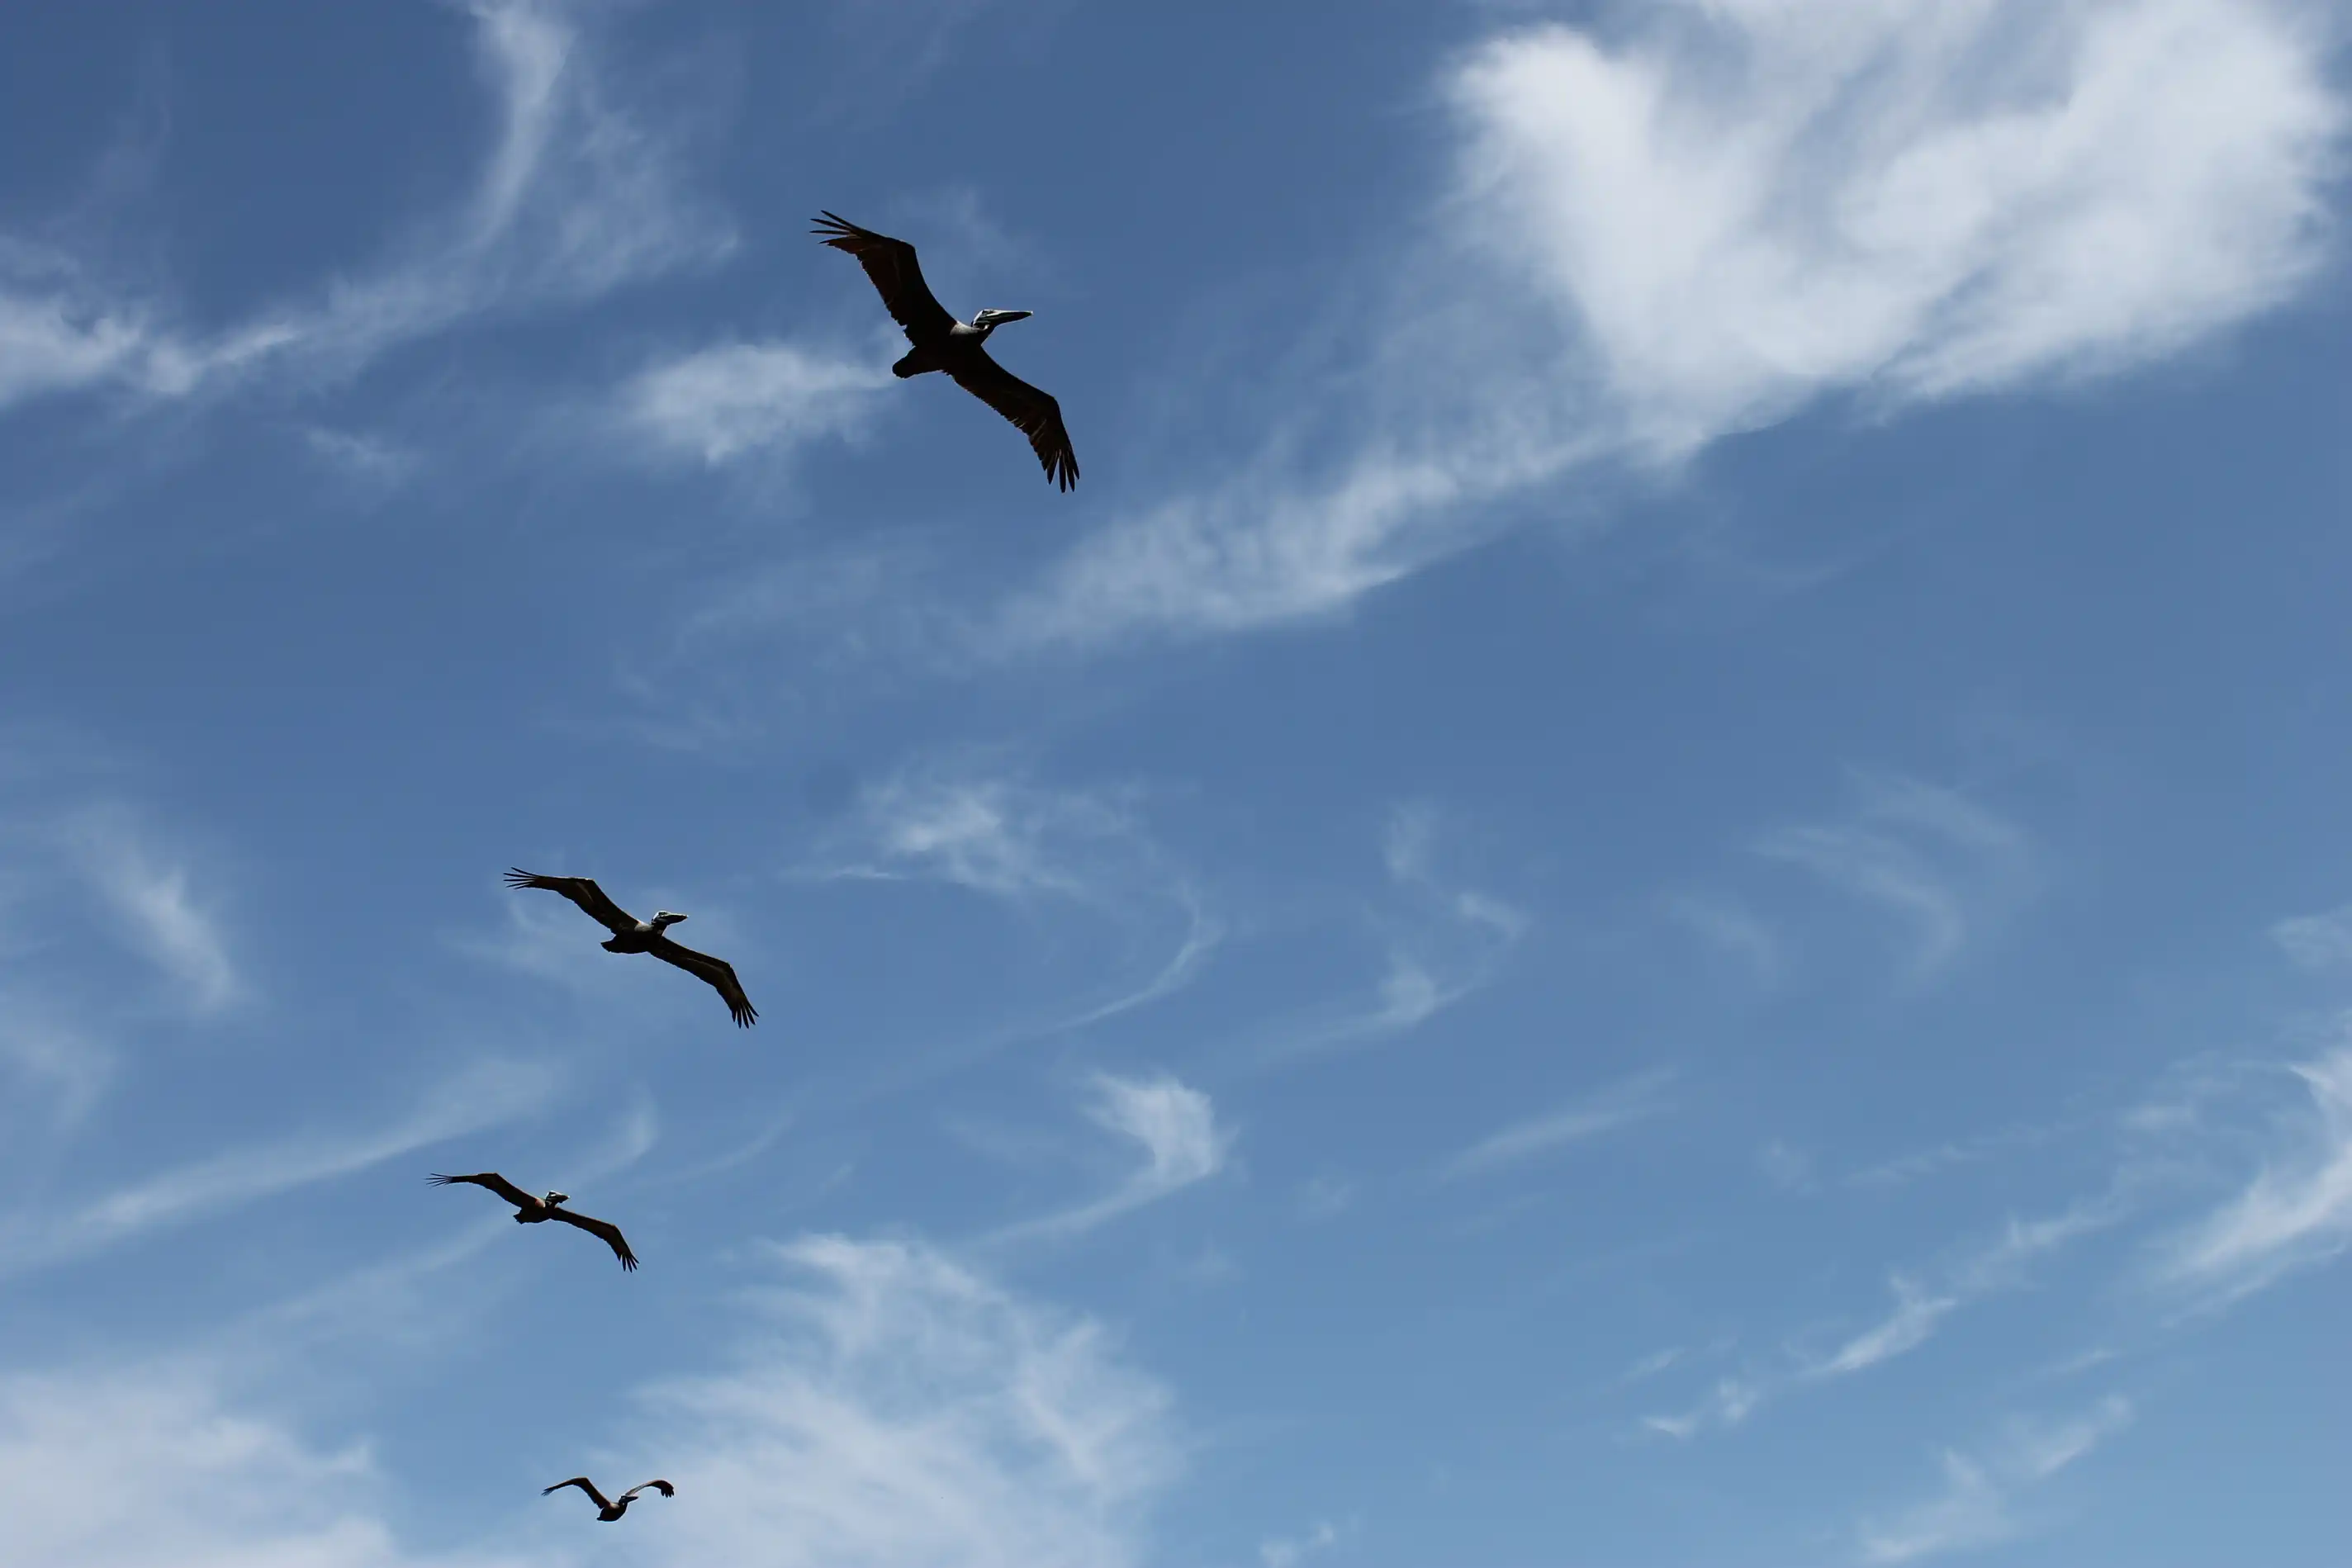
(610, 1509)
(530, 1210)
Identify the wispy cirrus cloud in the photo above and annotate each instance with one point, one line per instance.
(1978, 1505)
(149, 889)
(973, 822)
(2296, 1211)
(894, 1407)
(573, 198)
(482, 1097)
(1941, 865)
(738, 400)
(1620, 1104)
(1923, 1302)
(1445, 941)
(1705, 219)
(2321, 941)
(1904, 1330)
(990, 831)
(1174, 1125)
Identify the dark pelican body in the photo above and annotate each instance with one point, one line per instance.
(631, 934)
(943, 343)
(610, 1509)
(530, 1210)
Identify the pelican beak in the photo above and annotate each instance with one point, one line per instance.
(1004, 316)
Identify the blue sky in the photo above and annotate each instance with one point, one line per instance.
(1654, 871)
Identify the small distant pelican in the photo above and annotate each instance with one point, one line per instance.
(530, 1210)
(631, 934)
(943, 343)
(610, 1509)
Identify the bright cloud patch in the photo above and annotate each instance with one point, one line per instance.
(729, 401)
(152, 1470)
(1786, 198)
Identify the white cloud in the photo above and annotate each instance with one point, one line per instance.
(372, 460)
(1176, 1126)
(899, 1411)
(1793, 197)
(1731, 928)
(2295, 1212)
(151, 894)
(150, 1468)
(1907, 1328)
(1731, 1401)
(1632, 1100)
(1976, 1508)
(1943, 865)
(887, 1408)
(574, 199)
(2318, 941)
(482, 1097)
(1446, 942)
(1285, 1551)
(737, 399)
(1722, 214)
(998, 835)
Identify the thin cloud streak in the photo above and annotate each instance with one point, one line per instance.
(1635, 1098)
(1906, 1329)
(483, 1097)
(1449, 942)
(573, 200)
(1976, 1508)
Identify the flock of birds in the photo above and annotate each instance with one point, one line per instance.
(940, 342)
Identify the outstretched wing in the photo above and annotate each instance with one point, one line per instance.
(580, 891)
(1038, 417)
(718, 972)
(897, 276)
(603, 1227)
(584, 1484)
(494, 1182)
(662, 1486)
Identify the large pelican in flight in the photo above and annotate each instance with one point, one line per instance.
(631, 934)
(530, 1210)
(943, 343)
(610, 1509)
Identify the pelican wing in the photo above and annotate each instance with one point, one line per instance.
(898, 276)
(1037, 415)
(581, 891)
(662, 1486)
(717, 972)
(584, 1484)
(603, 1227)
(494, 1182)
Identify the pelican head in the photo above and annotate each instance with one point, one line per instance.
(989, 320)
(554, 1198)
(663, 918)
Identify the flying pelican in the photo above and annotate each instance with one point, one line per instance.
(530, 1210)
(943, 343)
(631, 934)
(610, 1509)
